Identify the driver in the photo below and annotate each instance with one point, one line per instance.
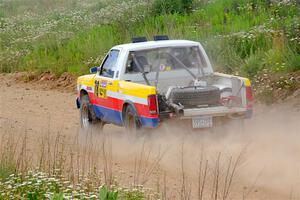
(136, 63)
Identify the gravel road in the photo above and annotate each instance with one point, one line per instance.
(272, 138)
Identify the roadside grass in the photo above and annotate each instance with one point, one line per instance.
(57, 166)
(35, 185)
(86, 49)
(244, 37)
(242, 28)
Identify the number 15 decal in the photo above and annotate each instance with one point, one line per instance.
(100, 90)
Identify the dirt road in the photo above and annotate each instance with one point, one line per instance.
(270, 142)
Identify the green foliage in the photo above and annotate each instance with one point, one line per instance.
(292, 60)
(6, 169)
(38, 185)
(172, 6)
(7, 164)
(106, 194)
(239, 36)
(76, 55)
(253, 64)
(59, 196)
(133, 195)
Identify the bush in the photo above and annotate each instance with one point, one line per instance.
(253, 64)
(223, 56)
(292, 61)
(172, 6)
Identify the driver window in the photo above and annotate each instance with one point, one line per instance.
(108, 64)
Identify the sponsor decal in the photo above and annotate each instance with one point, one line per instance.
(103, 83)
(89, 88)
(100, 89)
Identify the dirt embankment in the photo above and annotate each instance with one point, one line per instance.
(65, 82)
(270, 142)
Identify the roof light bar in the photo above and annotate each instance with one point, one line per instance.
(160, 37)
(139, 39)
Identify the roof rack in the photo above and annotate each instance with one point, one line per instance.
(138, 39)
(160, 37)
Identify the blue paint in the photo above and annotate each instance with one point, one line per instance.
(115, 117)
(108, 115)
(149, 122)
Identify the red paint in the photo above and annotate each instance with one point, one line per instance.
(117, 104)
(152, 104)
(249, 97)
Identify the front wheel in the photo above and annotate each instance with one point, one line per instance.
(87, 115)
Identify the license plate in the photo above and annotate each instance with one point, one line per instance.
(202, 122)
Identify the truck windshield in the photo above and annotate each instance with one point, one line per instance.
(166, 59)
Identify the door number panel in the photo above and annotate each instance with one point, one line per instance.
(100, 89)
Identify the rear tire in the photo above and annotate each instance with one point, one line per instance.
(131, 122)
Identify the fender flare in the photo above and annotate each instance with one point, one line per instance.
(80, 93)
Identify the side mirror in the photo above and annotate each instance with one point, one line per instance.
(93, 70)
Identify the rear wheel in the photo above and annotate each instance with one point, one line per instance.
(131, 121)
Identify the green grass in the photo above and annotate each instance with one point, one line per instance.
(240, 37)
(6, 170)
(36, 185)
(85, 49)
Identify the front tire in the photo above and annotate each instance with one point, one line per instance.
(87, 116)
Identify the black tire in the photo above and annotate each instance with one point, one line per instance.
(193, 96)
(131, 121)
(87, 116)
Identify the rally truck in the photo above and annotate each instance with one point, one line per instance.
(145, 83)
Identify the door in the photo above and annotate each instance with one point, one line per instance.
(106, 107)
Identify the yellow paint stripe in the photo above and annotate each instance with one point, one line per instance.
(247, 82)
(135, 89)
(123, 87)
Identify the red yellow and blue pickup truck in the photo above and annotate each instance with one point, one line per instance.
(144, 83)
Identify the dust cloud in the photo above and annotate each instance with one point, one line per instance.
(269, 146)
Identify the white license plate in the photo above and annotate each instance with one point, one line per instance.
(202, 122)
